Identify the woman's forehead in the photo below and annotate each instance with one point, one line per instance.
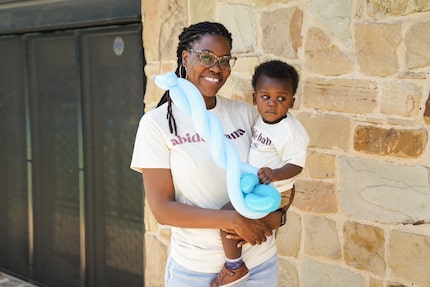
(217, 44)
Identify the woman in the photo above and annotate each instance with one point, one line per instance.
(185, 188)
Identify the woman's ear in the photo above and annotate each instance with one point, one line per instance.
(184, 57)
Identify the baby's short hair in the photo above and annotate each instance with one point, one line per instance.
(276, 69)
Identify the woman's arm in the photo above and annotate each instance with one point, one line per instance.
(274, 219)
(160, 195)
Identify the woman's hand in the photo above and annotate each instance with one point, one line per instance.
(252, 231)
(266, 224)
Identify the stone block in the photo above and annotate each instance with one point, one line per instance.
(409, 257)
(164, 234)
(392, 142)
(376, 46)
(417, 40)
(335, 15)
(240, 21)
(155, 262)
(327, 131)
(315, 196)
(315, 273)
(245, 66)
(341, 95)
(202, 10)
(401, 98)
(320, 165)
(364, 247)
(237, 88)
(281, 30)
(380, 9)
(383, 191)
(376, 283)
(151, 224)
(163, 21)
(323, 56)
(321, 237)
(288, 237)
(288, 275)
(152, 92)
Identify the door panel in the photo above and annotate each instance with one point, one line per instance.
(53, 90)
(113, 105)
(14, 251)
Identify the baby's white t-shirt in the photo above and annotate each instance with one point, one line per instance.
(275, 145)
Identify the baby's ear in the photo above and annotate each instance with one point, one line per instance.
(292, 103)
(254, 100)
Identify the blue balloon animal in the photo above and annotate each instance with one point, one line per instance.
(250, 198)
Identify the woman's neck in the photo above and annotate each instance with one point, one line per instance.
(210, 102)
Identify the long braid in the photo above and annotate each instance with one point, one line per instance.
(186, 38)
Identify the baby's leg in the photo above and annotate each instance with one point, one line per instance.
(231, 250)
(234, 269)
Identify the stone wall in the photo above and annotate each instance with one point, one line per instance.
(361, 216)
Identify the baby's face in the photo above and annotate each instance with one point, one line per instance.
(273, 98)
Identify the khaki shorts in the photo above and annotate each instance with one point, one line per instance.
(287, 198)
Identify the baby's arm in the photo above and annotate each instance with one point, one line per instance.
(268, 175)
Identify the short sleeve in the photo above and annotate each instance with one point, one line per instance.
(295, 151)
(150, 147)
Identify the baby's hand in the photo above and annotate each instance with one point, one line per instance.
(266, 175)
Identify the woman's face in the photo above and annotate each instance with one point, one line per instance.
(207, 80)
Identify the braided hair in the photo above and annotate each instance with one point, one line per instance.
(186, 38)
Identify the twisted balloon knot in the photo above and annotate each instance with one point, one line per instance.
(169, 81)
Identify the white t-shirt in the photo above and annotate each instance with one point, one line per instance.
(275, 145)
(198, 180)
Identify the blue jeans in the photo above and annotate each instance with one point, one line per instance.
(265, 274)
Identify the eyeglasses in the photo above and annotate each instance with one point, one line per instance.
(209, 59)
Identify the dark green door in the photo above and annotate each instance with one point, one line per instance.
(72, 209)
